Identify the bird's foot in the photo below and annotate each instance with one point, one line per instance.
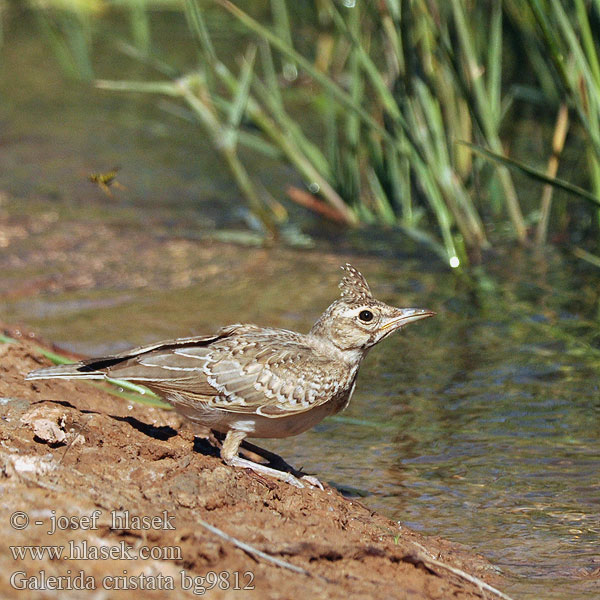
(237, 461)
(312, 481)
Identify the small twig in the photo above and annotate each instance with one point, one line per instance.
(312, 203)
(424, 557)
(75, 435)
(252, 550)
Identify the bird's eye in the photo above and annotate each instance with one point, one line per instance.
(365, 316)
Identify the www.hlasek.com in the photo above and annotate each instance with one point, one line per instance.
(83, 550)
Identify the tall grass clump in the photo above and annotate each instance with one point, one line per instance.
(388, 153)
(401, 94)
(566, 59)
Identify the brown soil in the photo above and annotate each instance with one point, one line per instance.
(70, 448)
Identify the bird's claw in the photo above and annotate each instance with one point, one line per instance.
(312, 481)
(237, 461)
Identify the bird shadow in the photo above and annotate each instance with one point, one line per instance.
(206, 448)
(162, 432)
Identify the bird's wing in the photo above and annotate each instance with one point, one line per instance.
(256, 371)
(167, 344)
(126, 364)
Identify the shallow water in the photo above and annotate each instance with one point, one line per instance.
(489, 435)
(480, 425)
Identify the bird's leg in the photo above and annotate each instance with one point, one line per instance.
(231, 445)
(205, 433)
(229, 453)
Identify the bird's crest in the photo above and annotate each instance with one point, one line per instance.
(354, 286)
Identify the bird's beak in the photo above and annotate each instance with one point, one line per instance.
(404, 316)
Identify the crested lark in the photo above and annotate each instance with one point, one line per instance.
(250, 381)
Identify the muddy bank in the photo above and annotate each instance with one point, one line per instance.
(122, 491)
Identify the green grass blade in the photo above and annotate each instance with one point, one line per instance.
(127, 385)
(494, 61)
(168, 88)
(146, 58)
(356, 83)
(197, 25)
(535, 173)
(259, 144)
(140, 25)
(587, 256)
(589, 43)
(240, 100)
(283, 29)
(58, 45)
(270, 74)
(147, 398)
(382, 203)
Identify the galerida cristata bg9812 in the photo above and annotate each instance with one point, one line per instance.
(250, 381)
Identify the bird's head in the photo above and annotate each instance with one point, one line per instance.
(357, 321)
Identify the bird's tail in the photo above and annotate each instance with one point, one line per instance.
(71, 371)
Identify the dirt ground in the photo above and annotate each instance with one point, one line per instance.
(80, 468)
